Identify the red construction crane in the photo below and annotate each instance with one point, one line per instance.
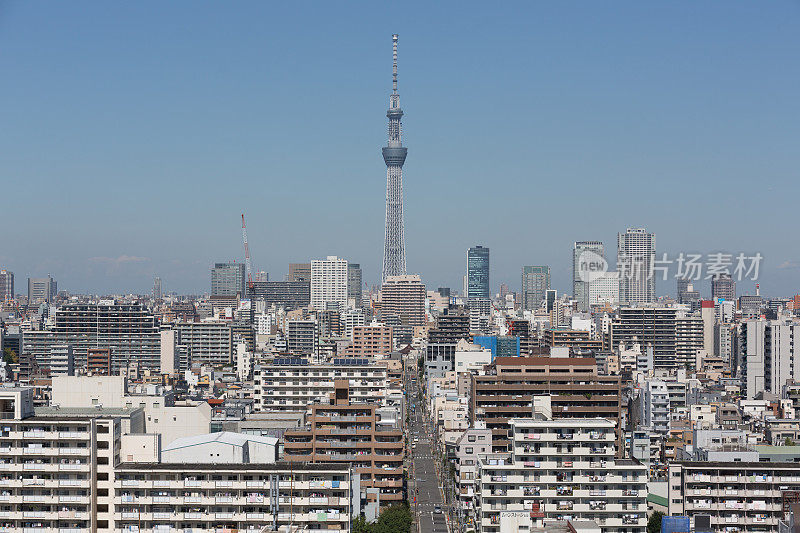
(247, 256)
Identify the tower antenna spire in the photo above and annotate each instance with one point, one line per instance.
(394, 63)
(394, 155)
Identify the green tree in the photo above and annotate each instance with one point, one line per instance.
(10, 356)
(360, 525)
(395, 519)
(654, 524)
(788, 442)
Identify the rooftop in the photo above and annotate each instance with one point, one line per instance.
(83, 412)
(223, 437)
(260, 467)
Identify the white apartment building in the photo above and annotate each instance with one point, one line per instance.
(160, 414)
(735, 496)
(293, 386)
(471, 357)
(73, 470)
(768, 358)
(353, 318)
(62, 360)
(562, 470)
(329, 283)
(636, 252)
(655, 408)
(472, 443)
(209, 342)
(161, 497)
(54, 464)
(604, 289)
(264, 323)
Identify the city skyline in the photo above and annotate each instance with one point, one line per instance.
(680, 122)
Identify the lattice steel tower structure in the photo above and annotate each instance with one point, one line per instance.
(394, 155)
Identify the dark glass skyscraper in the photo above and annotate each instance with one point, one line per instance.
(354, 282)
(227, 279)
(478, 272)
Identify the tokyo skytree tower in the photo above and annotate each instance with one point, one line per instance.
(394, 155)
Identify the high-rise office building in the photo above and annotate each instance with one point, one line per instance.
(227, 279)
(687, 294)
(157, 295)
(404, 297)
(394, 155)
(6, 285)
(636, 255)
(535, 284)
(723, 287)
(329, 283)
(286, 294)
(299, 272)
(41, 290)
(683, 287)
(551, 299)
(478, 272)
(354, 283)
(588, 261)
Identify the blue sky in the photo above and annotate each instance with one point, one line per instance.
(135, 134)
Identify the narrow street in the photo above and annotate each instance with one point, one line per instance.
(424, 483)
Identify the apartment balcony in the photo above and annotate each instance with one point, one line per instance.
(73, 482)
(39, 498)
(81, 467)
(74, 499)
(38, 450)
(39, 434)
(73, 451)
(631, 519)
(379, 483)
(41, 467)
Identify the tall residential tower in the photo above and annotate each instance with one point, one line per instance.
(636, 255)
(588, 265)
(394, 155)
